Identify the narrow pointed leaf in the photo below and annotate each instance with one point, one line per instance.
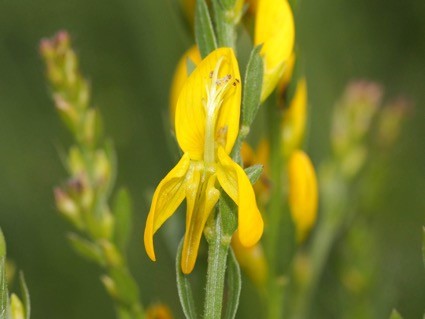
(254, 172)
(204, 31)
(184, 288)
(229, 217)
(252, 87)
(86, 249)
(126, 289)
(234, 284)
(123, 212)
(25, 295)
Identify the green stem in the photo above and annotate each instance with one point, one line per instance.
(217, 257)
(275, 213)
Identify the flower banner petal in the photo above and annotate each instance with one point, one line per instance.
(191, 112)
(237, 185)
(167, 197)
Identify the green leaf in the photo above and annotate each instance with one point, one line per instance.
(4, 296)
(123, 211)
(228, 4)
(25, 295)
(395, 315)
(184, 288)
(204, 32)
(86, 249)
(254, 172)
(252, 87)
(234, 284)
(127, 290)
(228, 210)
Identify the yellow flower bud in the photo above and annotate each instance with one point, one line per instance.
(303, 195)
(158, 311)
(180, 77)
(110, 286)
(251, 260)
(275, 30)
(68, 207)
(16, 308)
(294, 120)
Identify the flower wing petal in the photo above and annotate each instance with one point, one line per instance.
(190, 111)
(237, 185)
(167, 197)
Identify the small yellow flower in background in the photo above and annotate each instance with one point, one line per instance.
(303, 196)
(294, 120)
(260, 156)
(158, 311)
(180, 77)
(252, 260)
(275, 30)
(206, 124)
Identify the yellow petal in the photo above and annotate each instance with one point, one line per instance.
(274, 28)
(237, 185)
(294, 120)
(199, 207)
(302, 193)
(158, 311)
(167, 197)
(180, 77)
(191, 111)
(247, 155)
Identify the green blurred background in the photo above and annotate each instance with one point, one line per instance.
(128, 49)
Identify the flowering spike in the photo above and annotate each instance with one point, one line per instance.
(207, 124)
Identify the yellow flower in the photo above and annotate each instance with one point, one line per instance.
(294, 120)
(260, 156)
(158, 311)
(252, 261)
(275, 30)
(207, 124)
(180, 77)
(302, 193)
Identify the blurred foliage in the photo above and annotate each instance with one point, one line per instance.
(130, 49)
